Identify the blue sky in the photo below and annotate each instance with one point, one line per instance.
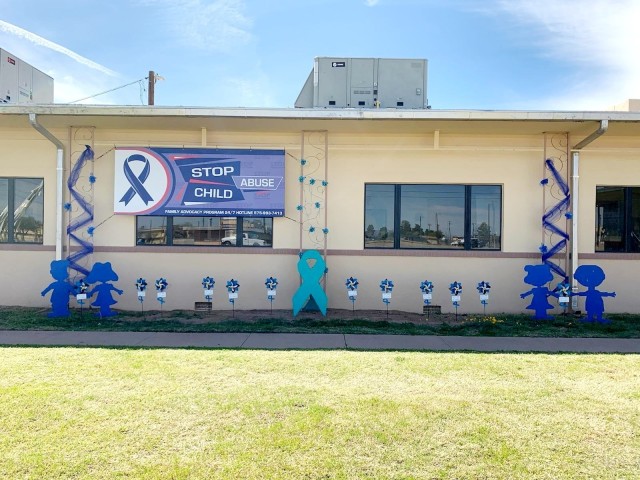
(491, 54)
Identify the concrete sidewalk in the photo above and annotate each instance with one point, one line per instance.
(303, 341)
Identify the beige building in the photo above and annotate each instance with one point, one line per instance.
(405, 195)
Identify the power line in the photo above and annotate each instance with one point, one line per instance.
(112, 90)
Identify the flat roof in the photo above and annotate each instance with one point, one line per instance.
(316, 113)
(342, 120)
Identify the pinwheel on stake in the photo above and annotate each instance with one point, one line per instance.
(563, 292)
(387, 287)
(456, 292)
(232, 289)
(483, 289)
(427, 289)
(141, 287)
(272, 284)
(161, 290)
(208, 284)
(80, 289)
(352, 291)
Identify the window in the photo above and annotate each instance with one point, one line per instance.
(204, 231)
(617, 219)
(433, 216)
(21, 210)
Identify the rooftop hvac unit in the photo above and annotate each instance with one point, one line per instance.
(365, 83)
(22, 83)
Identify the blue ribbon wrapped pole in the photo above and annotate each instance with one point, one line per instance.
(84, 218)
(551, 216)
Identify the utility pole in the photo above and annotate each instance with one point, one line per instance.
(152, 87)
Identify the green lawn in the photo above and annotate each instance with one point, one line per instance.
(191, 414)
(621, 326)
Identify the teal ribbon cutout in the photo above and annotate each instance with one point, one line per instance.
(310, 287)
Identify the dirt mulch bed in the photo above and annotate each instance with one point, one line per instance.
(250, 316)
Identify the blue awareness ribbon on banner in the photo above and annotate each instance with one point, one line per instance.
(137, 182)
(310, 287)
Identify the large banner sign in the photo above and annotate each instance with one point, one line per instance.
(199, 181)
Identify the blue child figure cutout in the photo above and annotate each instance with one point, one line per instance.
(539, 276)
(591, 276)
(60, 289)
(103, 273)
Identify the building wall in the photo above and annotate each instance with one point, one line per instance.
(354, 158)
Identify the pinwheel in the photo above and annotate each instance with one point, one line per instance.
(352, 284)
(455, 288)
(81, 287)
(233, 286)
(386, 286)
(563, 290)
(426, 287)
(483, 288)
(563, 293)
(161, 287)
(161, 284)
(271, 283)
(141, 285)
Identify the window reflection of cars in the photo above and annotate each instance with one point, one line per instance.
(475, 243)
(250, 238)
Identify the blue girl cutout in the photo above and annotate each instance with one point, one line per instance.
(103, 273)
(591, 276)
(60, 289)
(539, 276)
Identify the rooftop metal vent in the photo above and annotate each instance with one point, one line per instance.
(365, 83)
(22, 83)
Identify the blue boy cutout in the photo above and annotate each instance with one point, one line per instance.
(591, 276)
(60, 289)
(103, 273)
(539, 276)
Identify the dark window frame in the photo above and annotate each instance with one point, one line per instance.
(397, 207)
(627, 235)
(11, 207)
(170, 240)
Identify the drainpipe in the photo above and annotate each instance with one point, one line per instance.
(575, 177)
(59, 179)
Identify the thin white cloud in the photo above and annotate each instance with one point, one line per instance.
(250, 91)
(43, 42)
(599, 38)
(371, 3)
(217, 25)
